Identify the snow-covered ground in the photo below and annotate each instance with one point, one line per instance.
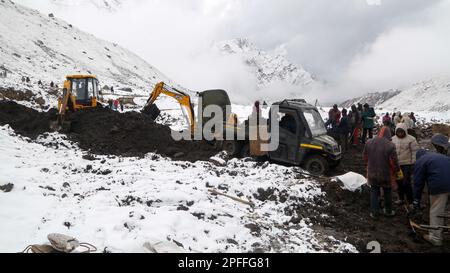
(122, 203)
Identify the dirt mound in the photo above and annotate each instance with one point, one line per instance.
(351, 221)
(103, 131)
(25, 121)
(441, 129)
(19, 95)
(106, 132)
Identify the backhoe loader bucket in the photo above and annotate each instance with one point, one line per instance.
(61, 126)
(152, 111)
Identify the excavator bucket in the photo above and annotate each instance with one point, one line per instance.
(152, 111)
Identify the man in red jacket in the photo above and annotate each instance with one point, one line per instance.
(381, 157)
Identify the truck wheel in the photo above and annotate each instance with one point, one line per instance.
(316, 165)
(233, 148)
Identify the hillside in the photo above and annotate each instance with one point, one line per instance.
(376, 98)
(432, 95)
(45, 48)
(269, 66)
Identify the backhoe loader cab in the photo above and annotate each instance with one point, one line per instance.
(79, 92)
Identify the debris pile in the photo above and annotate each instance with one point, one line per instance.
(107, 132)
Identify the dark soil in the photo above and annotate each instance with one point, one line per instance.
(351, 210)
(106, 132)
(25, 121)
(352, 223)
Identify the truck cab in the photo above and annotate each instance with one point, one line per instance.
(303, 139)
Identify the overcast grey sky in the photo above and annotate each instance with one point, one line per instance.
(355, 45)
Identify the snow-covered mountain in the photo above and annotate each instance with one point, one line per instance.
(110, 5)
(373, 99)
(45, 48)
(428, 96)
(269, 66)
(432, 95)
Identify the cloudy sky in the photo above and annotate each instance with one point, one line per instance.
(356, 46)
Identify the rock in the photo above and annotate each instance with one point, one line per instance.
(89, 157)
(66, 185)
(223, 187)
(67, 224)
(253, 228)
(181, 207)
(7, 188)
(219, 162)
(105, 172)
(199, 215)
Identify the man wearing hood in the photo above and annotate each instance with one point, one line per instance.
(397, 118)
(433, 169)
(440, 142)
(407, 147)
(408, 121)
(381, 157)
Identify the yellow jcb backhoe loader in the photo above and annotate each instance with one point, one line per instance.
(79, 92)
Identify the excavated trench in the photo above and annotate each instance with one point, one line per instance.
(107, 132)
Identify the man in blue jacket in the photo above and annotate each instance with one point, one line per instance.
(433, 169)
(440, 142)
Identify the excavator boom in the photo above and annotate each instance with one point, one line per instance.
(182, 98)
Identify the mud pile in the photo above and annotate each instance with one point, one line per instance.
(25, 121)
(103, 131)
(106, 132)
(351, 221)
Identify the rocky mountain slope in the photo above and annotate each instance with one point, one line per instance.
(373, 99)
(45, 48)
(269, 66)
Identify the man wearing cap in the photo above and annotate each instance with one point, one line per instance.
(440, 142)
(433, 169)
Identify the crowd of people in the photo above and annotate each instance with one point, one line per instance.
(354, 126)
(357, 125)
(396, 164)
(114, 104)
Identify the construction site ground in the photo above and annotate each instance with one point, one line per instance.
(106, 132)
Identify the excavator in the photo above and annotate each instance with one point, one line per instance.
(79, 92)
(209, 97)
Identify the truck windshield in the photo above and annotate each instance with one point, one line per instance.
(315, 122)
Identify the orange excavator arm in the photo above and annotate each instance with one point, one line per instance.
(182, 98)
(64, 101)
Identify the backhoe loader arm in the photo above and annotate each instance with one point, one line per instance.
(182, 98)
(64, 102)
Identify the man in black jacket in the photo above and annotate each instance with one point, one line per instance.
(344, 129)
